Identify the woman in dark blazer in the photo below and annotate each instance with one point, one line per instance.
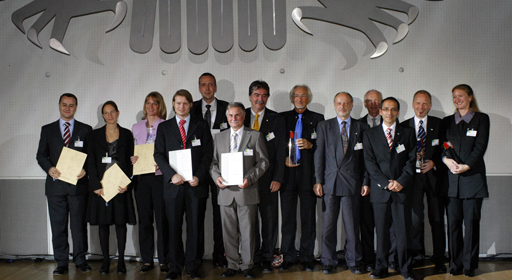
(149, 189)
(468, 132)
(108, 145)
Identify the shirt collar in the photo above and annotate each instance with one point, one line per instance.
(213, 104)
(348, 120)
(71, 122)
(467, 117)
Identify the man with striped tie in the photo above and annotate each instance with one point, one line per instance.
(390, 156)
(65, 199)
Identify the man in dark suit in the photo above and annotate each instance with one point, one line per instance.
(428, 166)
(372, 100)
(271, 124)
(340, 179)
(181, 196)
(238, 203)
(299, 181)
(213, 111)
(63, 198)
(390, 156)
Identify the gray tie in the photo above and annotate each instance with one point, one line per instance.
(234, 143)
(374, 120)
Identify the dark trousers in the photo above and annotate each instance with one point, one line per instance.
(149, 195)
(399, 216)
(350, 211)
(268, 209)
(185, 203)
(367, 231)
(218, 242)
(464, 250)
(59, 207)
(290, 192)
(436, 209)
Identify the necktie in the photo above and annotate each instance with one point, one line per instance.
(208, 116)
(298, 135)
(374, 122)
(234, 143)
(422, 135)
(388, 137)
(67, 134)
(344, 137)
(183, 134)
(256, 125)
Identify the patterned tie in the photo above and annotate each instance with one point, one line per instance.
(298, 135)
(234, 143)
(208, 116)
(422, 135)
(183, 134)
(374, 122)
(388, 137)
(67, 133)
(256, 125)
(344, 137)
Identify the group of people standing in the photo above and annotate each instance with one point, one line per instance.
(376, 170)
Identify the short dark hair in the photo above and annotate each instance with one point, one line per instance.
(422, 91)
(257, 85)
(185, 93)
(111, 103)
(392, 99)
(207, 74)
(235, 105)
(70, 95)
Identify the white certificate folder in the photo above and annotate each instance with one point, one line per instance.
(181, 162)
(232, 168)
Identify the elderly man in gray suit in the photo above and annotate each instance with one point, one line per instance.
(238, 203)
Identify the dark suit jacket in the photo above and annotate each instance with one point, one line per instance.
(310, 121)
(168, 138)
(340, 174)
(432, 152)
(384, 165)
(276, 148)
(220, 112)
(471, 150)
(48, 153)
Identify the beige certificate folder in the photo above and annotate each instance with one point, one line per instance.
(146, 162)
(70, 165)
(113, 178)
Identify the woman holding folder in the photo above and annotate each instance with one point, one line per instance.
(109, 145)
(149, 188)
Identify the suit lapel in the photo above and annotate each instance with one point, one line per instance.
(334, 130)
(246, 136)
(191, 129)
(398, 135)
(56, 131)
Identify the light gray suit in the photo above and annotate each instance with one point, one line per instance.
(238, 207)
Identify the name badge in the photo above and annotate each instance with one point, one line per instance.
(223, 125)
(248, 152)
(270, 136)
(106, 160)
(313, 135)
(435, 142)
(79, 144)
(359, 146)
(400, 148)
(471, 133)
(196, 142)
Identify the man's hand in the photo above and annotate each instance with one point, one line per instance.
(99, 192)
(177, 179)
(365, 190)
(134, 159)
(318, 189)
(194, 182)
(303, 144)
(427, 166)
(274, 186)
(81, 175)
(121, 189)
(220, 183)
(395, 186)
(245, 184)
(54, 173)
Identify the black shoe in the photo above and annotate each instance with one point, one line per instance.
(121, 267)
(379, 274)
(61, 270)
(228, 273)
(146, 267)
(308, 266)
(328, 269)
(266, 267)
(105, 268)
(393, 267)
(286, 265)
(440, 269)
(455, 271)
(164, 268)
(84, 267)
(194, 274)
(248, 273)
(408, 276)
(355, 270)
(173, 275)
(469, 272)
(370, 267)
(221, 262)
